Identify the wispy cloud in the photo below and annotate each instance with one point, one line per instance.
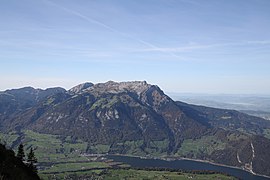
(193, 47)
(267, 42)
(105, 26)
(23, 48)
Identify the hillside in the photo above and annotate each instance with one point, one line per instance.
(137, 118)
(12, 168)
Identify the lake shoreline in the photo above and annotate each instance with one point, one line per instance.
(190, 159)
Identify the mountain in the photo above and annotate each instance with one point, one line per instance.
(16, 101)
(12, 168)
(139, 119)
(248, 102)
(226, 119)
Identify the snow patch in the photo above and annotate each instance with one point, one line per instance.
(143, 116)
(98, 114)
(116, 114)
(238, 159)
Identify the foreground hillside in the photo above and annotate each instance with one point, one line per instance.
(137, 118)
(11, 168)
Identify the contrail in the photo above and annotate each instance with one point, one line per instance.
(82, 16)
(91, 20)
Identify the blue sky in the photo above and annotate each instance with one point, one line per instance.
(197, 46)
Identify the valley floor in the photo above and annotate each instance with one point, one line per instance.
(63, 158)
(134, 174)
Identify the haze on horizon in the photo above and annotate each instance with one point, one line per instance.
(181, 45)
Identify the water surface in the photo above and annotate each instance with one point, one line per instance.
(185, 165)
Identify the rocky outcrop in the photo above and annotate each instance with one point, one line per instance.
(79, 88)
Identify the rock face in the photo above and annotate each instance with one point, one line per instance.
(79, 88)
(115, 87)
(138, 118)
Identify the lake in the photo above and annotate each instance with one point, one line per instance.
(185, 165)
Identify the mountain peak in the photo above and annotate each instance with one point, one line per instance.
(117, 87)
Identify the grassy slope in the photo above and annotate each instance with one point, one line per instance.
(65, 167)
(9, 138)
(155, 175)
(50, 148)
(61, 154)
(206, 145)
(132, 174)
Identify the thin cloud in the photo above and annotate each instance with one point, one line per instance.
(259, 42)
(205, 46)
(99, 23)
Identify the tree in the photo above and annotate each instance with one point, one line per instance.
(20, 153)
(32, 160)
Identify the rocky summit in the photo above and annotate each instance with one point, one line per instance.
(137, 87)
(137, 118)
